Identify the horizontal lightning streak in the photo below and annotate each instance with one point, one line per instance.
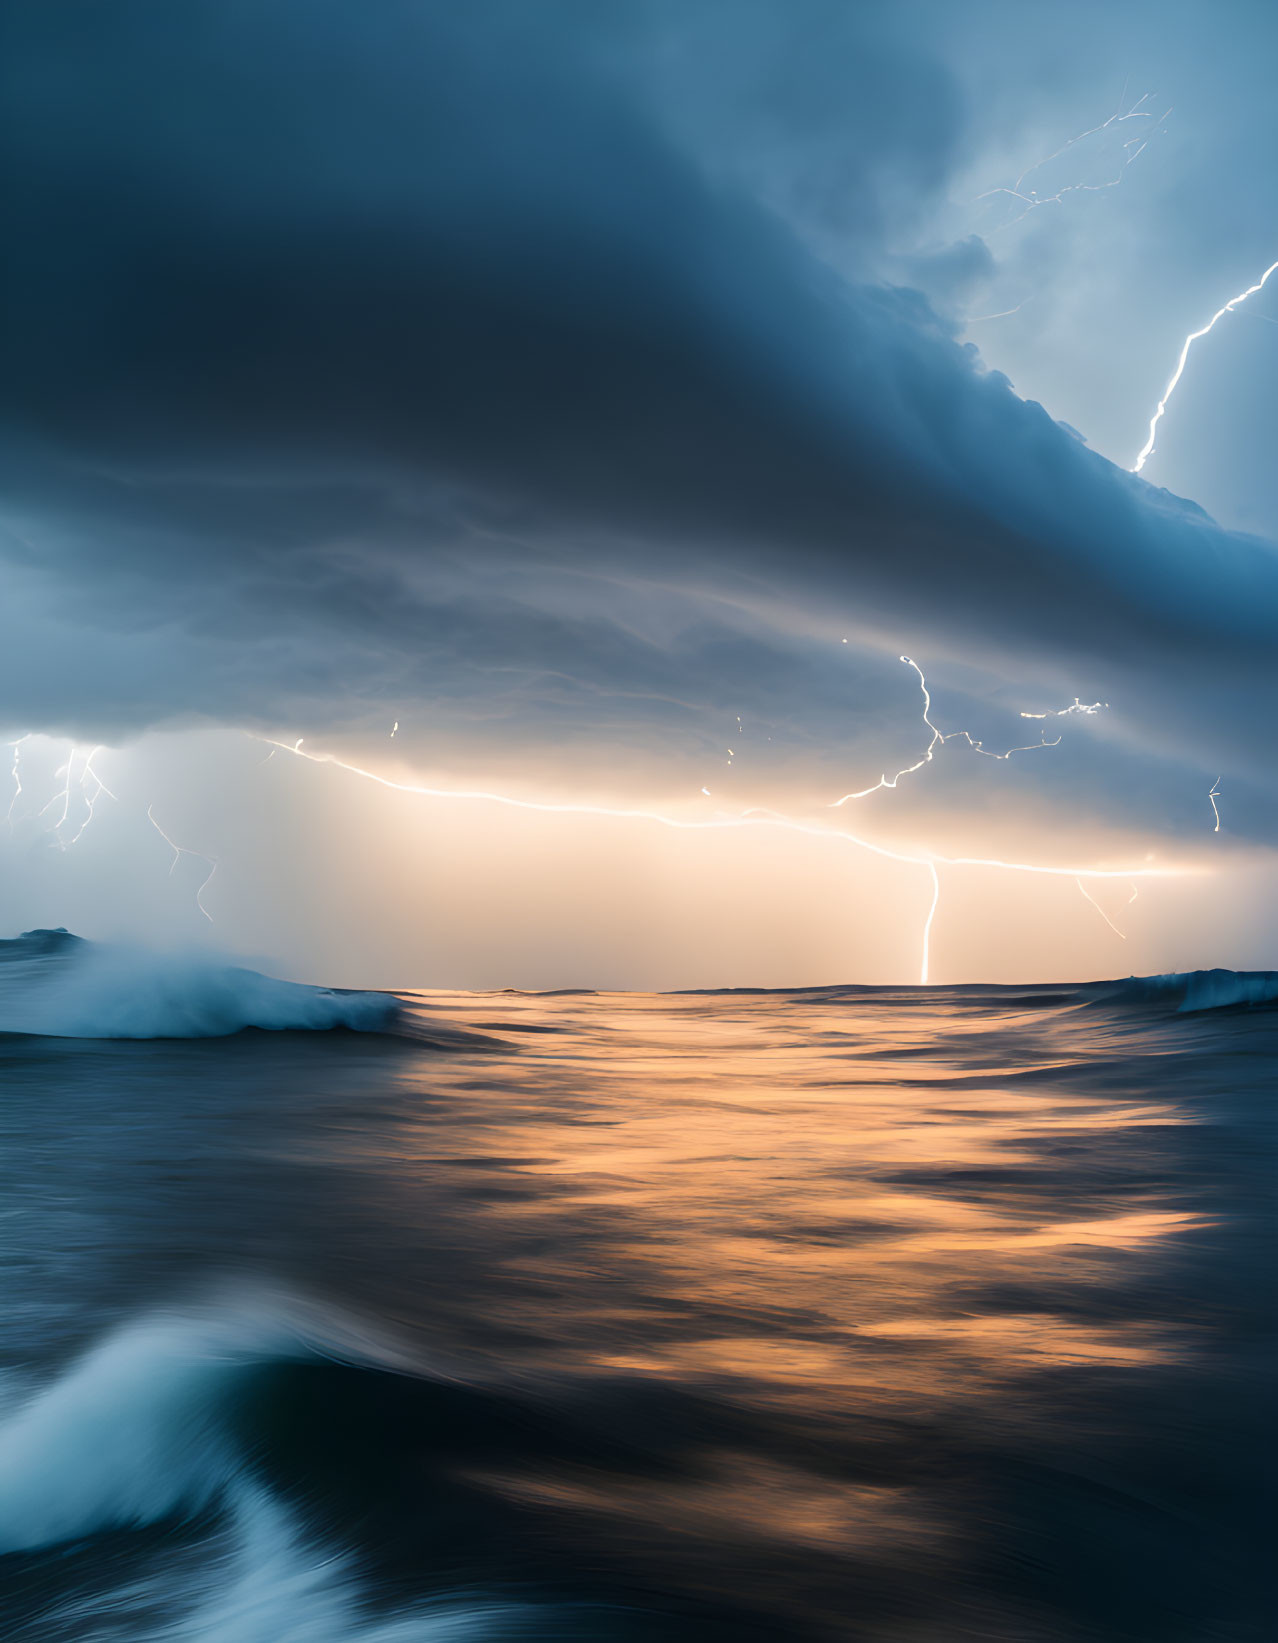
(939, 738)
(751, 818)
(1075, 707)
(756, 817)
(1003, 313)
(1132, 150)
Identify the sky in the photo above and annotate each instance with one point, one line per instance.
(574, 414)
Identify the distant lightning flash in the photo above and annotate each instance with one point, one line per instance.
(80, 771)
(1090, 897)
(1213, 796)
(65, 771)
(91, 800)
(1132, 150)
(1075, 707)
(17, 779)
(939, 738)
(748, 819)
(927, 925)
(1148, 449)
(1003, 313)
(1121, 934)
(180, 850)
(1022, 199)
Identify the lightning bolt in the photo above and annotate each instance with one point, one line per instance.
(180, 850)
(1119, 933)
(750, 818)
(1075, 707)
(67, 772)
(1148, 448)
(1003, 313)
(91, 800)
(939, 738)
(1090, 897)
(1213, 796)
(1029, 199)
(17, 779)
(1131, 150)
(64, 770)
(924, 967)
(92, 789)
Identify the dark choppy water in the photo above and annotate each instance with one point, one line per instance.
(831, 1314)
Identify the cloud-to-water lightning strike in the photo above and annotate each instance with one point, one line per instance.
(180, 850)
(926, 966)
(1147, 449)
(1213, 796)
(939, 738)
(931, 860)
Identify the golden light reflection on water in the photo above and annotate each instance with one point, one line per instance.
(811, 1197)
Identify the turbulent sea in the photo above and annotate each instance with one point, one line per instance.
(848, 1313)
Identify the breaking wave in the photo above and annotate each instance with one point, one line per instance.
(54, 985)
(136, 1430)
(145, 1427)
(1190, 991)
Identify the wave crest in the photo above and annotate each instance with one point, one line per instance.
(55, 985)
(137, 1429)
(1194, 990)
(143, 1428)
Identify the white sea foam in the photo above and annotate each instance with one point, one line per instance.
(134, 1430)
(275, 1588)
(266, 1582)
(137, 1430)
(78, 989)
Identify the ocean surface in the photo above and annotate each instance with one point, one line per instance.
(849, 1313)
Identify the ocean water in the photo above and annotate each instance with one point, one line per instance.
(917, 1314)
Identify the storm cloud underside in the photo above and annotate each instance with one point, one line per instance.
(467, 371)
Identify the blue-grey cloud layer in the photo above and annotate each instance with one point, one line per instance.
(378, 356)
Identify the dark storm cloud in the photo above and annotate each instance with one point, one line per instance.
(340, 342)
